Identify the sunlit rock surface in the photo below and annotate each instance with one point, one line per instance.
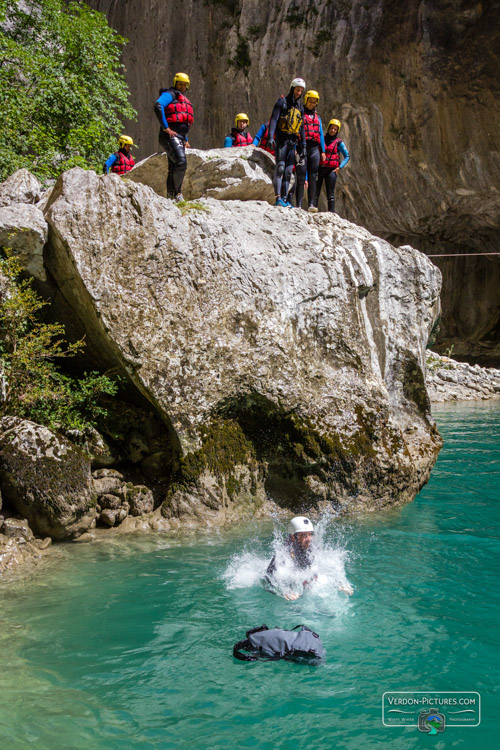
(289, 344)
(226, 174)
(45, 478)
(23, 231)
(20, 187)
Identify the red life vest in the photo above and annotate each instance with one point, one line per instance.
(263, 141)
(332, 155)
(311, 126)
(123, 163)
(180, 109)
(240, 139)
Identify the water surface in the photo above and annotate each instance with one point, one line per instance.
(127, 644)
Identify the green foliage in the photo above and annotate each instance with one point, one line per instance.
(35, 388)
(255, 31)
(186, 206)
(322, 37)
(295, 17)
(241, 60)
(63, 94)
(230, 5)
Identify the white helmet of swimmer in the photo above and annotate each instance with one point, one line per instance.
(300, 523)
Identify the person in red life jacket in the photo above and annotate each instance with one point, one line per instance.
(262, 138)
(122, 160)
(175, 114)
(287, 127)
(336, 157)
(239, 135)
(309, 162)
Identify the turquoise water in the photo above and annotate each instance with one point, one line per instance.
(128, 644)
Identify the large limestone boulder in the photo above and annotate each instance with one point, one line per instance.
(20, 187)
(24, 231)
(45, 478)
(290, 343)
(243, 174)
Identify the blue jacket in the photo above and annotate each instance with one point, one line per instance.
(260, 134)
(109, 163)
(345, 153)
(163, 101)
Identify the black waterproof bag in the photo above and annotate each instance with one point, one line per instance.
(299, 644)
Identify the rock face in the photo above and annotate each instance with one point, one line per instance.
(117, 498)
(20, 187)
(226, 173)
(24, 231)
(46, 479)
(415, 85)
(448, 380)
(287, 344)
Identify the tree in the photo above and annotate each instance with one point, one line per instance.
(31, 384)
(63, 94)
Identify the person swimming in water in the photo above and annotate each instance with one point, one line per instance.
(297, 548)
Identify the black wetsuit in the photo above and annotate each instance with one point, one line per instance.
(329, 176)
(308, 165)
(286, 143)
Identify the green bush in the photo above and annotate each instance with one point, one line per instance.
(35, 387)
(63, 95)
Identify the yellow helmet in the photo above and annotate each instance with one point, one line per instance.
(181, 78)
(311, 95)
(125, 140)
(335, 122)
(241, 116)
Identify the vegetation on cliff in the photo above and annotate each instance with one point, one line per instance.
(35, 387)
(63, 94)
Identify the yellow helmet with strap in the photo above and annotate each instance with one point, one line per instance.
(125, 140)
(311, 95)
(335, 122)
(241, 116)
(181, 78)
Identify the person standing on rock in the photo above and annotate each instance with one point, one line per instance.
(239, 135)
(308, 165)
(262, 138)
(175, 114)
(335, 148)
(286, 136)
(122, 160)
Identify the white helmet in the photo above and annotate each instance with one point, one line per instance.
(298, 82)
(300, 523)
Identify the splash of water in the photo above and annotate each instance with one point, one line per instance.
(326, 576)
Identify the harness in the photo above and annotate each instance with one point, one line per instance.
(311, 127)
(332, 155)
(240, 139)
(291, 121)
(123, 164)
(180, 108)
(271, 645)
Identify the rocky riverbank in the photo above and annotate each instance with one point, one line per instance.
(449, 380)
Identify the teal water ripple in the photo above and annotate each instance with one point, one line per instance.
(128, 644)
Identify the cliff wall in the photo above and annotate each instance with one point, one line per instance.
(415, 85)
